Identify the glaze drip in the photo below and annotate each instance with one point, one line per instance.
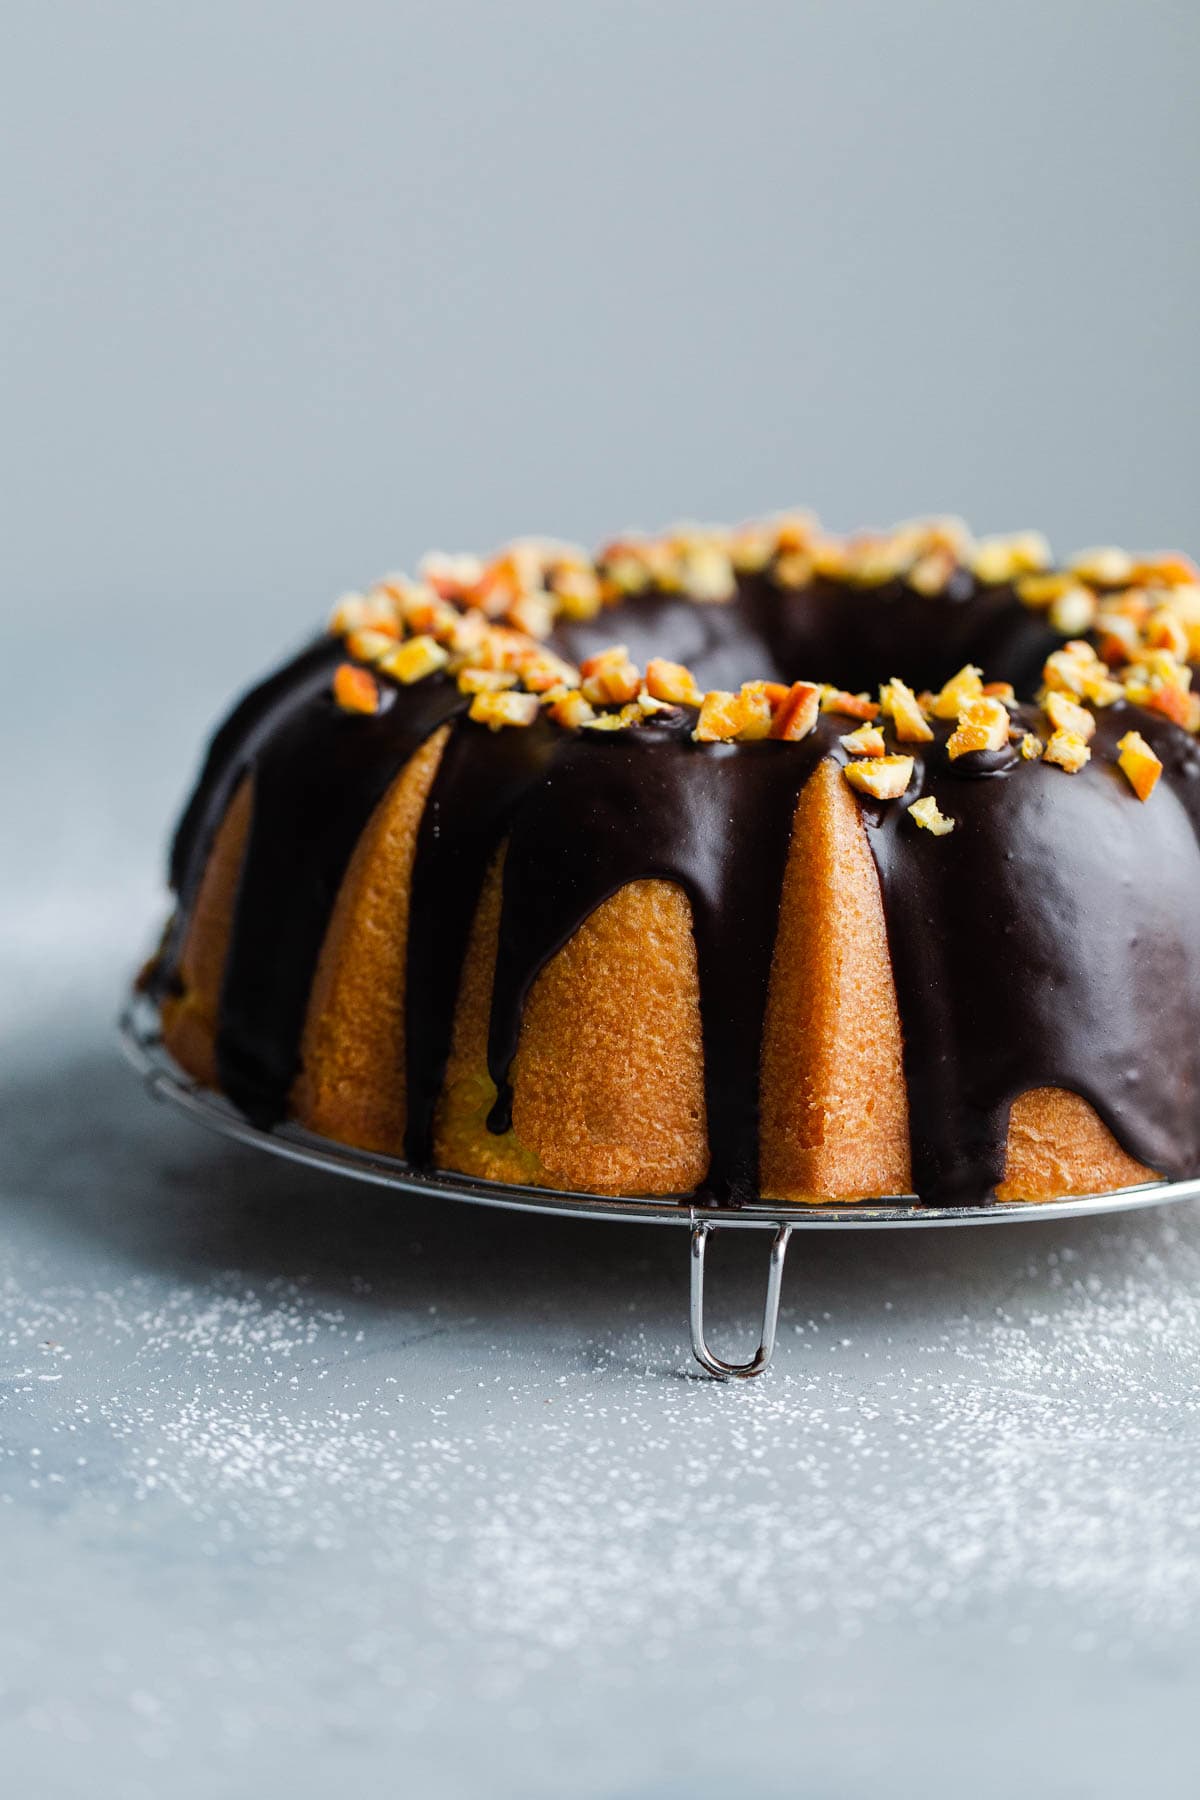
(317, 779)
(649, 804)
(230, 756)
(481, 782)
(1052, 940)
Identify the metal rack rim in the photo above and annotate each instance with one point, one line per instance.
(142, 1045)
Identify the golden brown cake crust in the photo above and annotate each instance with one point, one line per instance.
(189, 1019)
(351, 1086)
(1058, 1146)
(834, 1115)
(608, 1076)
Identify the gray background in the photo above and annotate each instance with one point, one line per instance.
(303, 1486)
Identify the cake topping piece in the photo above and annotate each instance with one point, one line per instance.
(1138, 764)
(449, 576)
(1040, 591)
(1103, 567)
(797, 712)
(576, 591)
(368, 644)
(761, 709)
(540, 670)
(358, 612)
(568, 708)
(614, 721)
(506, 708)
(694, 559)
(855, 706)
(647, 705)
(1067, 715)
(486, 681)
(706, 569)
(1078, 672)
(866, 741)
(928, 815)
(1165, 630)
(610, 678)
(1166, 568)
(355, 690)
(760, 701)
(1160, 682)
(884, 777)
(671, 682)
(898, 701)
(958, 692)
(1073, 611)
(414, 660)
(1000, 559)
(931, 573)
(721, 717)
(1067, 750)
(982, 725)
(1175, 704)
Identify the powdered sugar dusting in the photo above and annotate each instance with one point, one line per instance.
(583, 1497)
(292, 1471)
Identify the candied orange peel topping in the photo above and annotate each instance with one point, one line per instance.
(927, 814)
(797, 712)
(414, 659)
(671, 682)
(868, 740)
(1067, 750)
(354, 689)
(504, 708)
(1130, 625)
(610, 678)
(1138, 763)
(721, 717)
(1066, 714)
(983, 724)
(898, 702)
(958, 692)
(570, 709)
(883, 778)
(486, 681)
(855, 706)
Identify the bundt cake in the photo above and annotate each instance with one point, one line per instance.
(645, 873)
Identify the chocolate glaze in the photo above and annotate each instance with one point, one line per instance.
(317, 780)
(230, 756)
(857, 637)
(482, 780)
(1053, 939)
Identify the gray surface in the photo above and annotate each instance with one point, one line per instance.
(304, 1487)
(302, 1484)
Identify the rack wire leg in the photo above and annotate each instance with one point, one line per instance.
(716, 1365)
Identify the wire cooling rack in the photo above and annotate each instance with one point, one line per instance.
(141, 1041)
